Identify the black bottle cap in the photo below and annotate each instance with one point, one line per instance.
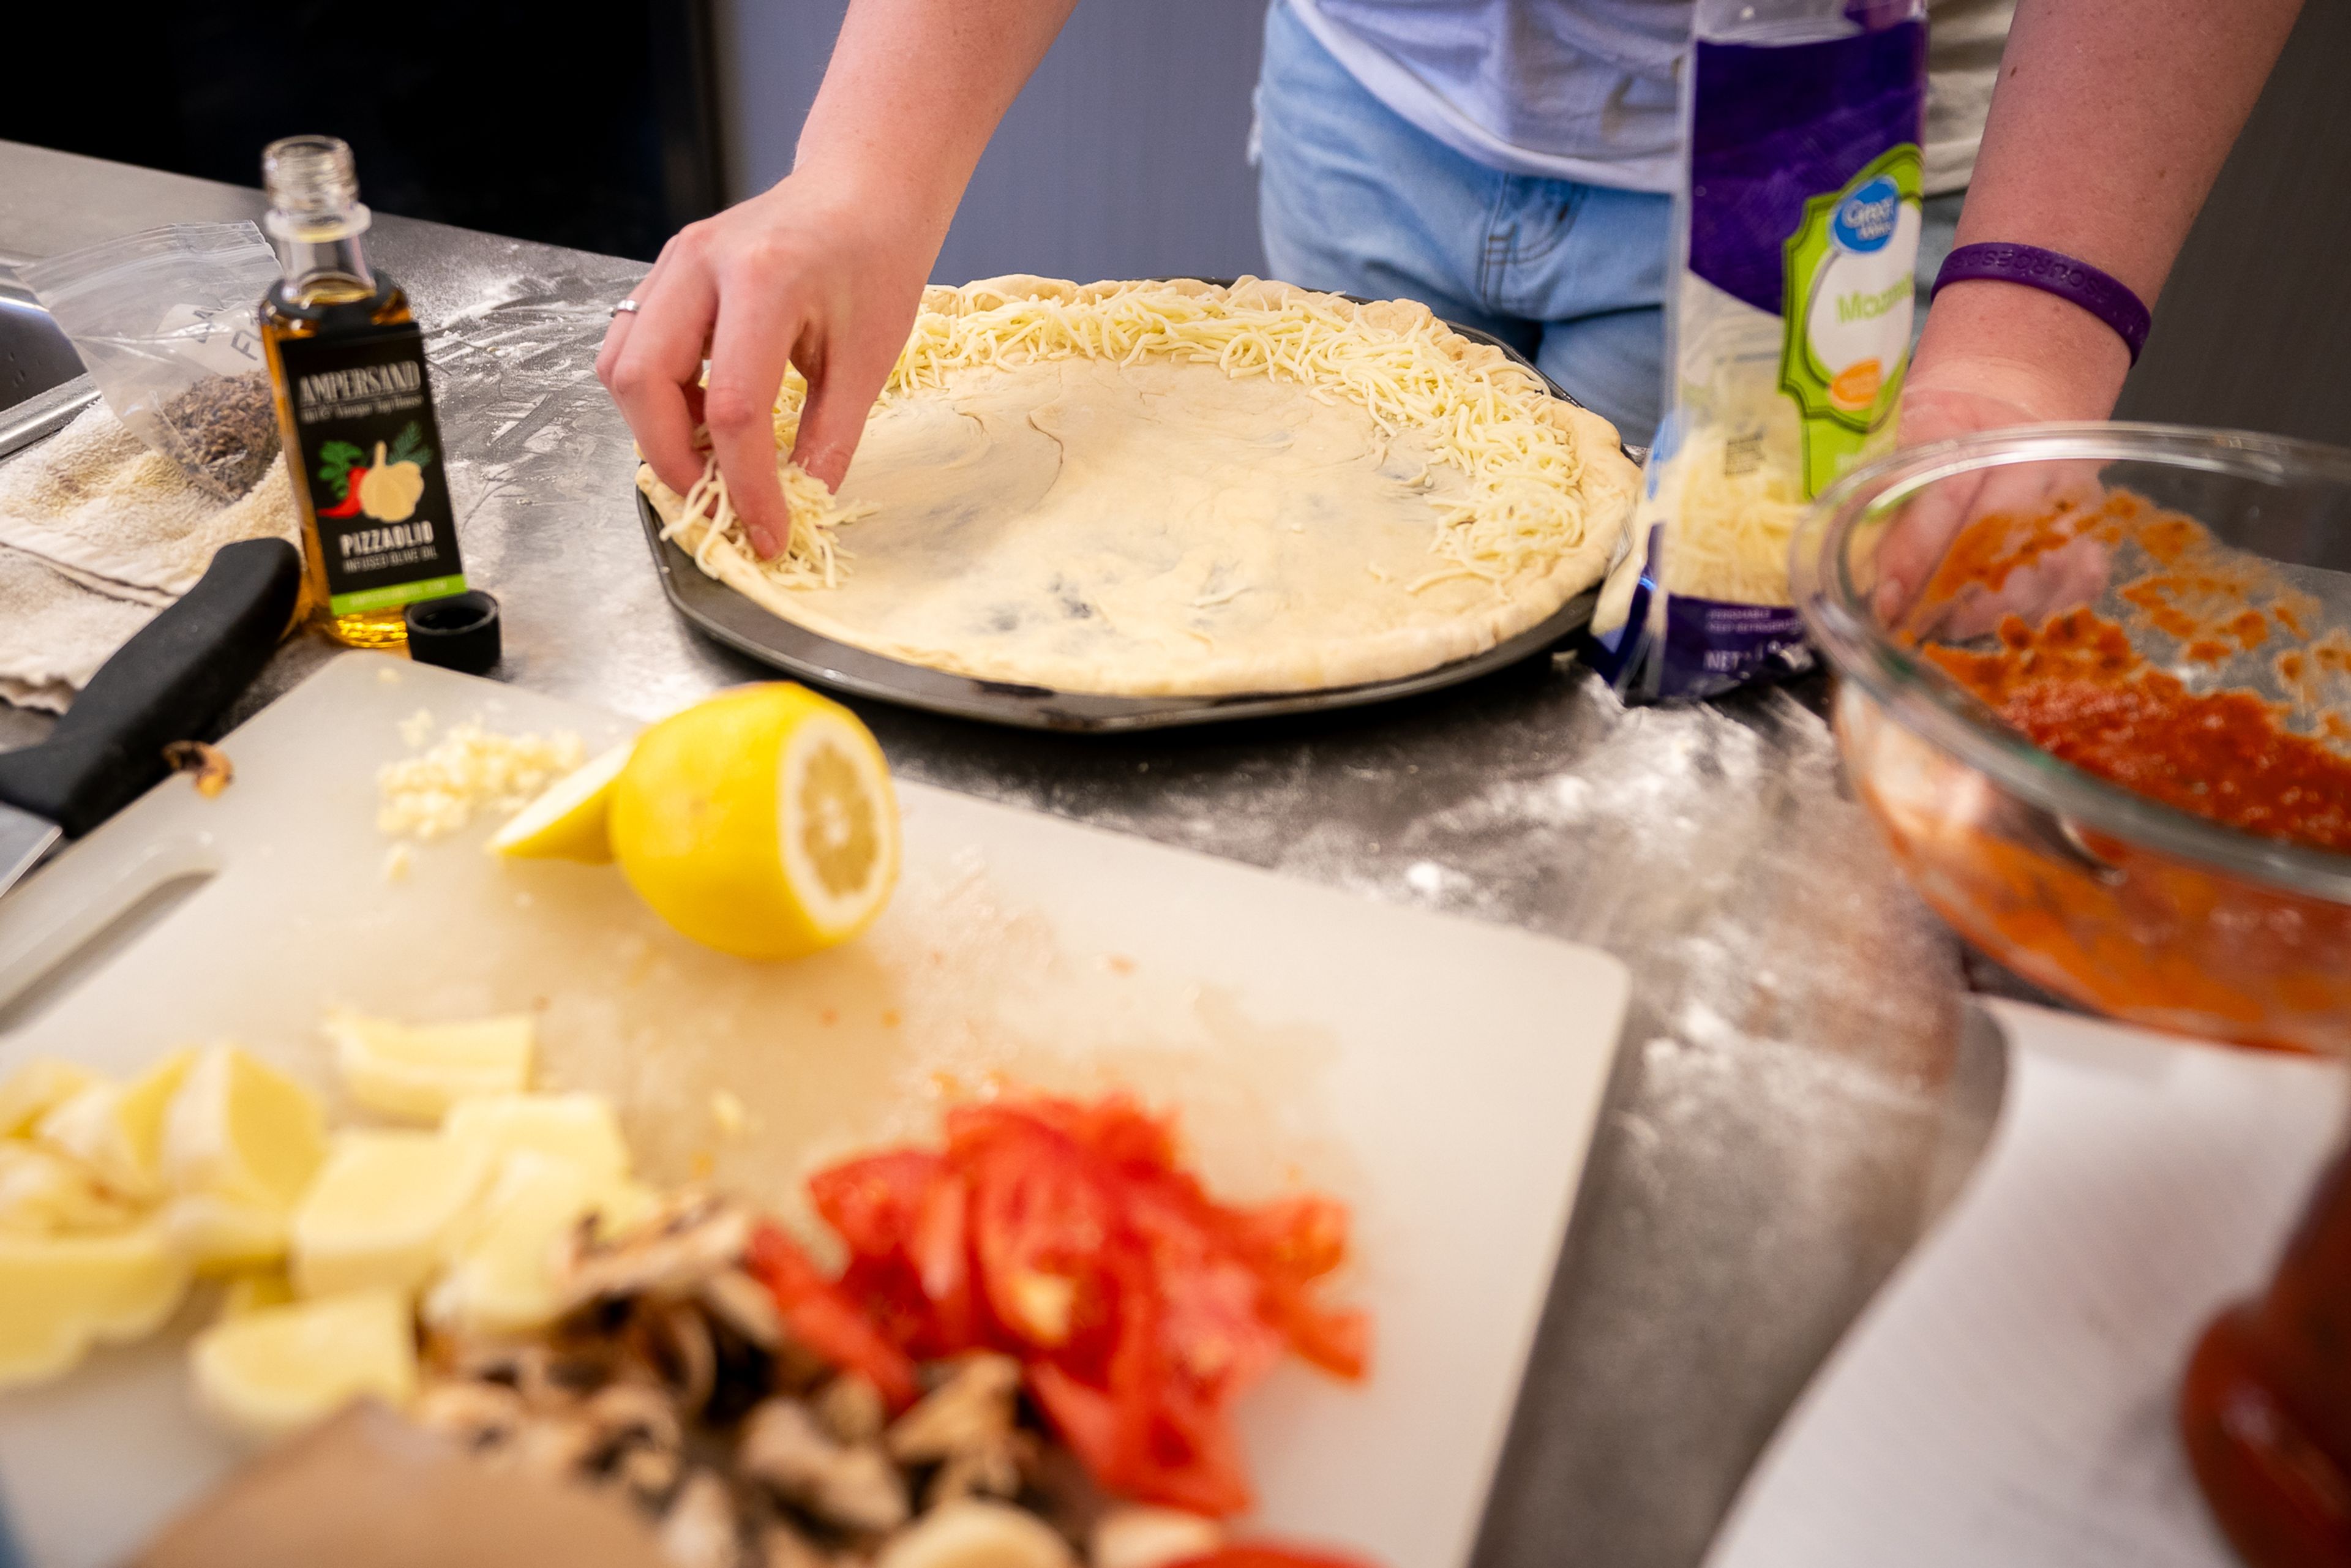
(459, 633)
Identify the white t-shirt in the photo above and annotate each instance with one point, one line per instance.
(1585, 90)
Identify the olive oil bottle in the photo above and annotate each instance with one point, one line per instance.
(354, 405)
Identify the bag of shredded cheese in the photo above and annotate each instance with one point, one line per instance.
(1787, 328)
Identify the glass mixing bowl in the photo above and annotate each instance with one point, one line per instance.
(2127, 906)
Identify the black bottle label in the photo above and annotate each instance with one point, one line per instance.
(371, 456)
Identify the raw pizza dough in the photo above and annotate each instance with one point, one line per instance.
(1163, 526)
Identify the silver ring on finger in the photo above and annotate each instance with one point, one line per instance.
(625, 308)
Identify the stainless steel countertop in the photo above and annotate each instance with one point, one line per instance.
(1800, 1086)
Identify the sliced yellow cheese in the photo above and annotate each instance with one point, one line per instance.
(240, 1129)
(33, 1090)
(503, 1274)
(44, 1193)
(59, 1295)
(419, 1071)
(277, 1369)
(217, 1233)
(255, 1289)
(383, 1210)
(582, 1128)
(117, 1129)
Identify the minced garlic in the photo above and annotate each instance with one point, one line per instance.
(470, 769)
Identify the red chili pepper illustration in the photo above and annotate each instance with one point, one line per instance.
(348, 506)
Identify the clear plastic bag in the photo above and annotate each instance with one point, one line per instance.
(164, 322)
(1788, 317)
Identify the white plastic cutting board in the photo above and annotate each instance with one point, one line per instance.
(1441, 1076)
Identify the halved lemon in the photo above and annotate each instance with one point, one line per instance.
(567, 821)
(761, 822)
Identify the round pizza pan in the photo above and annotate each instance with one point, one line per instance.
(724, 614)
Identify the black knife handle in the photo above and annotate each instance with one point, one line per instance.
(169, 683)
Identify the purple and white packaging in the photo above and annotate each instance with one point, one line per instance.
(1787, 328)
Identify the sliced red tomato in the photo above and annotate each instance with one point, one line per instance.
(821, 1317)
(939, 1249)
(1247, 1554)
(1066, 1233)
(1186, 1457)
(874, 1203)
(1293, 1239)
(903, 1217)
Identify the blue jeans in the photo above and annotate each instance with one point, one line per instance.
(1355, 199)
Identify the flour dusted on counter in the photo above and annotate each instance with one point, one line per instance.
(1788, 328)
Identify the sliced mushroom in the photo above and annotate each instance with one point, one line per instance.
(477, 1415)
(853, 1486)
(545, 1378)
(553, 1446)
(673, 1341)
(1057, 1485)
(633, 1415)
(1132, 1536)
(743, 1304)
(976, 1535)
(781, 1546)
(648, 1474)
(850, 1409)
(693, 1238)
(972, 1410)
(988, 1470)
(699, 1531)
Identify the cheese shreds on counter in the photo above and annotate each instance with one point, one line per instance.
(470, 769)
(1483, 414)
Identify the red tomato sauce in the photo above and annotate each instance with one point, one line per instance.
(2076, 688)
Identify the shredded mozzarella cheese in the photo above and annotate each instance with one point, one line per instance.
(1732, 522)
(1480, 414)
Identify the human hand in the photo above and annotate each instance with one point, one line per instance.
(1996, 357)
(812, 273)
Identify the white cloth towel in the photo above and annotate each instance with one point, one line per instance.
(96, 533)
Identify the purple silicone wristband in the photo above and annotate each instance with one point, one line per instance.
(2053, 273)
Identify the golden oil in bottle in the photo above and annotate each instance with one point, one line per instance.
(354, 406)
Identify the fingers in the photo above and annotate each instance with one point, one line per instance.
(616, 335)
(843, 381)
(650, 362)
(749, 349)
(2012, 498)
(1914, 545)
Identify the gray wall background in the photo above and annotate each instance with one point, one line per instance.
(2254, 330)
(1124, 158)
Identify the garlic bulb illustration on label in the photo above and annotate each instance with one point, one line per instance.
(388, 491)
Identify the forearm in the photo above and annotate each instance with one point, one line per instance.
(2111, 119)
(914, 90)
